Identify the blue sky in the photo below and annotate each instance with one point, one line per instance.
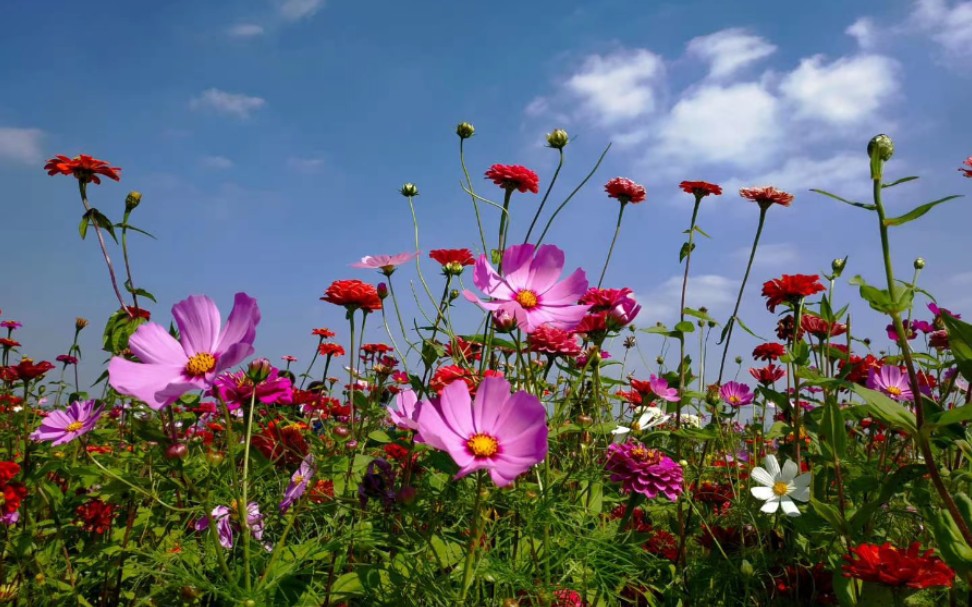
(269, 139)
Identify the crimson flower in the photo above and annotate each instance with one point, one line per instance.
(96, 516)
(625, 190)
(892, 566)
(85, 168)
(514, 177)
(967, 171)
(820, 328)
(323, 333)
(768, 352)
(453, 260)
(25, 370)
(9, 343)
(700, 188)
(353, 295)
(553, 341)
(790, 289)
(330, 350)
(767, 375)
(767, 196)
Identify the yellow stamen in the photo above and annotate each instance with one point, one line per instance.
(894, 390)
(74, 426)
(200, 364)
(483, 445)
(298, 479)
(780, 488)
(527, 299)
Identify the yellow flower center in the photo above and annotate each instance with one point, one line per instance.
(482, 445)
(734, 399)
(74, 426)
(200, 364)
(894, 390)
(527, 299)
(649, 456)
(298, 479)
(780, 488)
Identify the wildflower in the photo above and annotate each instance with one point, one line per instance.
(911, 328)
(643, 470)
(499, 432)
(10, 325)
(226, 518)
(353, 295)
(322, 491)
(820, 328)
(768, 352)
(967, 171)
(655, 387)
(378, 483)
(895, 567)
(619, 304)
(465, 130)
(282, 443)
(700, 188)
(288, 358)
(514, 177)
(237, 389)
(61, 427)
(25, 370)
(625, 190)
(330, 350)
(890, 380)
(96, 516)
(298, 483)
(453, 260)
(405, 410)
(529, 290)
(553, 341)
(736, 394)
(386, 263)
(558, 139)
(778, 488)
(323, 333)
(170, 368)
(446, 375)
(766, 196)
(67, 359)
(85, 168)
(790, 289)
(646, 418)
(7, 343)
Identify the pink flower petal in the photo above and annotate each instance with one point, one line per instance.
(152, 344)
(199, 324)
(241, 325)
(143, 381)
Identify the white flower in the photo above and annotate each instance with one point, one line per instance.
(645, 419)
(689, 420)
(780, 487)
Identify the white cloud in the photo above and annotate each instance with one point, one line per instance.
(845, 91)
(245, 30)
(217, 162)
(305, 165)
(233, 104)
(864, 31)
(618, 86)
(715, 292)
(770, 255)
(21, 146)
(295, 10)
(951, 26)
(729, 50)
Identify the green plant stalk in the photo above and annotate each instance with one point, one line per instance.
(398, 314)
(742, 288)
(83, 187)
(797, 409)
(560, 164)
(418, 265)
(479, 220)
(243, 508)
(474, 535)
(128, 266)
(617, 230)
(313, 360)
(571, 195)
(504, 226)
(681, 307)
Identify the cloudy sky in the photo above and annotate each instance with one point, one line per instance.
(269, 139)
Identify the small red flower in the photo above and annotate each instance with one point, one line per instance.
(625, 190)
(25, 370)
(819, 328)
(11, 494)
(767, 375)
(9, 343)
(321, 491)
(700, 188)
(376, 348)
(323, 333)
(282, 443)
(67, 359)
(353, 295)
(85, 168)
(768, 352)
(892, 566)
(967, 169)
(453, 260)
(8, 470)
(95, 516)
(134, 312)
(553, 341)
(790, 289)
(767, 196)
(330, 350)
(514, 177)
(449, 373)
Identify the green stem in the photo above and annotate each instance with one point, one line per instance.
(533, 223)
(617, 230)
(681, 307)
(474, 535)
(101, 241)
(128, 266)
(577, 189)
(504, 225)
(243, 507)
(479, 221)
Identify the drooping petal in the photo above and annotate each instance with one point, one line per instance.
(771, 506)
(789, 508)
(143, 381)
(153, 345)
(232, 356)
(762, 493)
(241, 325)
(199, 324)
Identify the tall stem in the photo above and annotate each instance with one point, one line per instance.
(479, 220)
(128, 266)
(83, 186)
(571, 195)
(681, 307)
(617, 230)
(353, 353)
(504, 225)
(474, 535)
(243, 506)
(560, 164)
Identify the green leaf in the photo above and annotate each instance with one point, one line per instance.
(953, 547)
(104, 222)
(748, 330)
(887, 410)
(955, 416)
(699, 230)
(917, 212)
(960, 342)
(140, 292)
(833, 429)
(896, 482)
(699, 314)
(899, 181)
(685, 250)
(127, 226)
(686, 326)
(83, 227)
(869, 207)
(830, 514)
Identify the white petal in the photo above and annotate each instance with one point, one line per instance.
(772, 466)
(801, 494)
(802, 481)
(771, 506)
(790, 470)
(762, 477)
(621, 430)
(789, 508)
(762, 493)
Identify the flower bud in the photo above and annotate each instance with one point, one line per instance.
(584, 420)
(465, 130)
(215, 458)
(453, 295)
(80, 323)
(259, 370)
(409, 190)
(176, 451)
(351, 445)
(558, 139)
(503, 321)
(342, 431)
(739, 360)
(132, 200)
(920, 263)
(837, 266)
(382, 289)
(660, 360)
(746, 568)
(880, 149)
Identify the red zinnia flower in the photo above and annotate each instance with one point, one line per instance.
(553, 341)
(514, 177)
(134, 312)
(323, 333)
(8, 470)
(768, 352)
(892, 566)
(447, 374)
(95, 516)
(283, 444)
(321, 491)
(9, 343)
(376, 348)
(967, 171)
(84, 168)
(700, 188)
(463, 350)
(11, 494)
(819, 328)
(790, 289)
(453, 260)
(767, 375)
(353, 295)
(766, 196)
(330, 350)
(625, 190)
(25, 370)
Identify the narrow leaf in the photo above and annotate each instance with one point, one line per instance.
(917, 212)
(899, 181)
(869, 207)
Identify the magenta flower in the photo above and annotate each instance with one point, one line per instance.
(620, 304)
(170, 368)
(385, 263)
(655, 387)
(503, 433)
(10, 325)
(405, 410)
(61, 427)
(298, 483)
(237, 389)
(225, 518)
(911, 328)
(891, 381)
(67, 359)
(643, 470)
(529, 290)
(736, 394)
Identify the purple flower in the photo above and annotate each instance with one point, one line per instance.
(11, 324)
(736, 394)
(225, 518)
(643, 470)
(298, 483)
(61, 427)
(911, 328)
(170, 368)
(503, 433)
(386, 263)
(237, 389)
(934, 309)
(378, 483)
(405, 410)
(9, 518)
(529, 289)
(891, 381)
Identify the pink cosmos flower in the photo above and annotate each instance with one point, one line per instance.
(655, 387)
(385, 263)
(224, 517)
(529, 290)
(405, 410)
(61, 427)
(503, 433)
(170, 368)
(891, 381)
(620, 304)
(298, 483)
(736, 394)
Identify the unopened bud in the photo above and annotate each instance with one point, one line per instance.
(739, 360)
(453, 295)
(259, 370)
(351, 445)
(80, 323)
(465, 130)
(382, 289)
(746, 568)
(919, 263)
(176, 451)
(584, 420)
(503, 321)
(558, 139)
(660, 360)
(837, 266)
(880, 149)
(409, 190)
(132, 200)
(406, 495)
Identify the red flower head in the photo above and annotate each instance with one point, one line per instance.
(323, 333)
(553, 341)
(790, 289)
(11, 494)
(96, 516)
(767, 375)
(967, 169)
(376, 348)
(767, 196)
(85, 168)
(8, 470)
(282, 443)
(768, 352)
(625, 190)
(453, 260)
(819, 328)
(514, 177)
(330, 350)
(25, 370)
(134, 312)
(9, 343)
(700, 188)
(449, 373)
(353, 295)
(892, 566)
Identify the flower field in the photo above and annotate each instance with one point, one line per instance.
(524, 458)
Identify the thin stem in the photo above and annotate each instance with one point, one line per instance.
(479, 221)
(128, 266)
(504, 224)
(474, 534)
(101, 241)
(243, 507)
(577, 189)
(617, 230)
(681, 308)
(560, 164)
